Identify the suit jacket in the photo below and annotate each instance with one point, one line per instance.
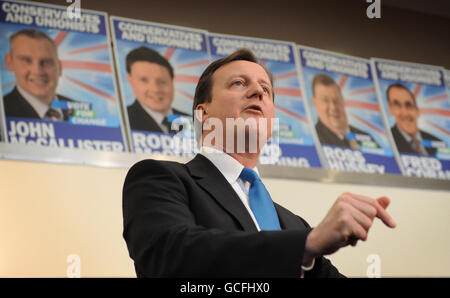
(17, 106)
(405, 147)
(327, 137)
(140, 120)
(186, 220)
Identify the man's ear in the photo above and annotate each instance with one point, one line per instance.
(8, 60)
(389, 106)
(201, 113)
(314, 100)
(60, 67)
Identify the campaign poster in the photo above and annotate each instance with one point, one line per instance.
(345, 112)
(57, 78)
(416, 109)
(159, 67)
(292, 144)
(447, 81)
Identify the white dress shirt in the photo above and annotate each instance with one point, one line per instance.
(40, 107)
(157, 116)
(231, 169)
(409, 139)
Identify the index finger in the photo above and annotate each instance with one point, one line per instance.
(380, 204)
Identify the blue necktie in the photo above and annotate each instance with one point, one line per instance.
(260, 201)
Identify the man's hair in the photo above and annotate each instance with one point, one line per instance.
(149, 55)
(401, 86)
(204, 86)
(32, 33)
(321, 79)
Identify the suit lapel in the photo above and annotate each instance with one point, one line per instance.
(212, 181)
(140, 119)
(23, 106)
(288, 220)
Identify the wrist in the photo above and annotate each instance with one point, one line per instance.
(310, 252)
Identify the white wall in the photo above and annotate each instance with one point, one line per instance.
(49, 211)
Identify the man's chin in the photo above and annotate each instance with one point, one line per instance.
(42, 95)
(409, 130)
(158, 108)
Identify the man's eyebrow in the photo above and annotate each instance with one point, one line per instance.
(245, 76)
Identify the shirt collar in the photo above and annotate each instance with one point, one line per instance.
(229, 167)
(40, 107)
(407, 137)
(157, 116)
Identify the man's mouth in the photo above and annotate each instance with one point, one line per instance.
(254, 108)
(38, 81)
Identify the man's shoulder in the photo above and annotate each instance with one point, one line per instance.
(136, 113)
(12, 97)
(65, 98)
(428, 136)
(155, 165)
(135, 105)
(15, 105)
(178, 112)
(358, 131)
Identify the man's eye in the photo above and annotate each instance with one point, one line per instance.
(409, 106)
(238, 83)
(47, 63)
(26, 60)
(266, 90)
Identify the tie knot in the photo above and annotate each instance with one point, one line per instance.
(249, 175)
(52, 114)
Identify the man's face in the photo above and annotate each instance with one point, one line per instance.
(35, 64)
(330, 107)
(403, 107)
(241, 89)
(152, 85)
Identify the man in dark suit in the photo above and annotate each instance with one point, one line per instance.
(33, 59)
(17, 106)
(332, 126)
(408, 137)
(151, 77)
(213, 217)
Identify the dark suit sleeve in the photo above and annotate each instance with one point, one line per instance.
(164, 240)
(322, 266)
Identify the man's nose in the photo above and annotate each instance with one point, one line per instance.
(37, 67)
(153, 86)
(255, 90)
(334, 105)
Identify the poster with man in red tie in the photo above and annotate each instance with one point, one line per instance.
(159, 66)
(57, 78)
(345, 113)
(416, 107)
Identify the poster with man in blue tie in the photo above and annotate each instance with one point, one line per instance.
(57, 78)
(345, 112)
(159, 66)
(293, 143)
(416, 107)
